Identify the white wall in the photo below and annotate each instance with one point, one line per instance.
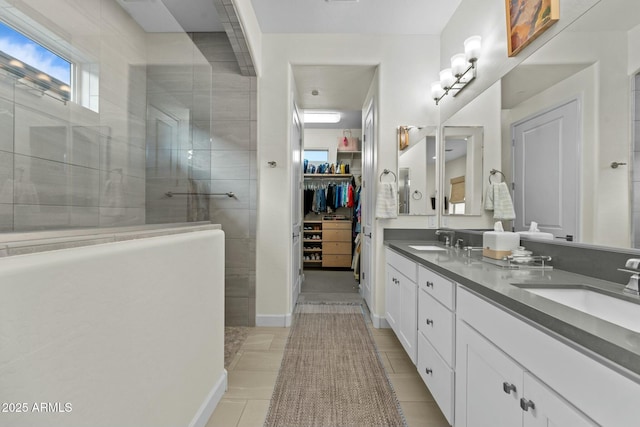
(487, 18)
(129, 333)
(402, 97)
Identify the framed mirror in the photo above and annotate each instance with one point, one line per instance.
(417, 170)
(462, 184)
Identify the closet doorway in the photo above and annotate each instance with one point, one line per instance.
(331, 180)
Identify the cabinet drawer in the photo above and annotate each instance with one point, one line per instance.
(402, 264)
(336, 248)
(336, 260)
(437, 376)
(336, 225)
(336, 235)
(437, 286)
(436, 323)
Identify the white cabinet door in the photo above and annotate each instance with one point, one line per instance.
(408, 333)
(392, 298)
(544, 408)
(488, 383)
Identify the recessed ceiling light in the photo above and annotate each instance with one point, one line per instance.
(315, 92)
(321, 117)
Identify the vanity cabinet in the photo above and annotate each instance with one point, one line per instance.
(401, 300)
(511, 373)
(496, 391)
(436, 337)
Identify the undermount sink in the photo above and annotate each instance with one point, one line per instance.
(589, 300)
(427, 248)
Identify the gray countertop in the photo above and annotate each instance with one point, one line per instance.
(606, 340)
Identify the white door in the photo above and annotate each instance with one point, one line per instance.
(296, 206)
(367, 205)
(392, 298)
(544, 408)
(546, 156)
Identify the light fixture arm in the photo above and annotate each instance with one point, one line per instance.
(460, 83)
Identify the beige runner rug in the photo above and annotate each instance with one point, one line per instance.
(331, 374)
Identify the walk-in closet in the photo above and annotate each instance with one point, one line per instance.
(332, 166)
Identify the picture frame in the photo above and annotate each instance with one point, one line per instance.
(403, 137)
(527, 19)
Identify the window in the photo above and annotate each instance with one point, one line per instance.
(316, 156)
(457, 196)
(34, 64)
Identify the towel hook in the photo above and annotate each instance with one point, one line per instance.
(495, 171)
(387, 172)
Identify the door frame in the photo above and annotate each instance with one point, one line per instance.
(369, 185)
(296, 208)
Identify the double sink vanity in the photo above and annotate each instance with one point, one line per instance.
(526, 346)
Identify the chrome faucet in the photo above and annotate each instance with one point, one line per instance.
(631, 266)
(448, 236)
(469, 249)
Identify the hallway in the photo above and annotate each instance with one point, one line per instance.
(254, 369)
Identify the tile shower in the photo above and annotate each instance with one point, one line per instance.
(221, 158)
(170, 116)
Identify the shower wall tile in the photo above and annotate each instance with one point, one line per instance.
(227, 80)
(253, 158)
(6, 177)
(6, 124)
(6, 217)
(235, 222)
(237, 251)
(230, 165)
(239, 187)
(231, 135)
(112, 217)
(254, 133)
(201, 135)
(236, 311)
(253, 194)
(236, 282)
(231, 106)
(40, 217)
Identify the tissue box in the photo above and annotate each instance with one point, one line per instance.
(538, 235)
(499, 244)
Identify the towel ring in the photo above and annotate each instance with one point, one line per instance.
(387, 172)
(495, 171)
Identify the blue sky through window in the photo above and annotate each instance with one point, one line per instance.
(26, 50)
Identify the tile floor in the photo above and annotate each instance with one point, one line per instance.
(253, 372)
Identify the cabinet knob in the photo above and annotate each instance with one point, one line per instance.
(508, 387)
(429, 322)
(429, 371)
(525, 404)
(429, 284)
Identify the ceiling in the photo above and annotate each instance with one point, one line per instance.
(308, 16)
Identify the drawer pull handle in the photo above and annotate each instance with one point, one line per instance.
(429, 371)
(526, 404)
(429, 322)
(508, 387)
(429, 284)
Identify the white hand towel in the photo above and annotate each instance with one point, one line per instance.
(387, 200)
(499, 201)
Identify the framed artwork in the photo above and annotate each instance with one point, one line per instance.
(403, 137)
(527, 19)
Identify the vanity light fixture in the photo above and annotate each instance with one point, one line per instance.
(462, 72)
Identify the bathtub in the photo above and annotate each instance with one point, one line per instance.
(129, 333)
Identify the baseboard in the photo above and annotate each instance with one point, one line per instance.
(211, 402)
(273, 320)
(379, 322)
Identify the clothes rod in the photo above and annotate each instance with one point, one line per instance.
(171, 194)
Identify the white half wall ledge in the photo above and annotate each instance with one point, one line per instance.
(274, 320)
(211, 402)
